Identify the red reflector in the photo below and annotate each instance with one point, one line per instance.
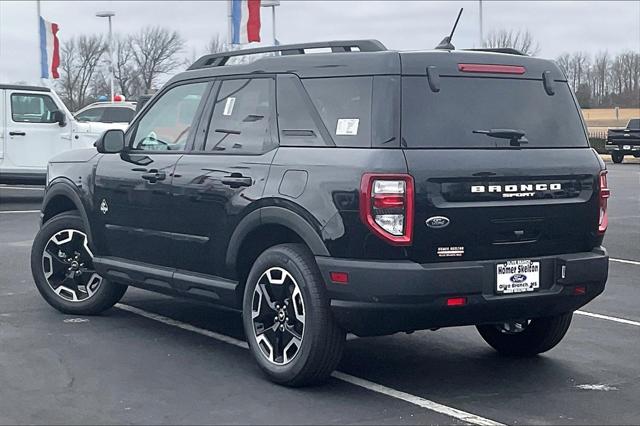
(579, 290)
(494, 69)
(382, 201)
(456, 301)
(339, 277)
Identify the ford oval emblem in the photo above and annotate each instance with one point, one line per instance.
(518, 278)
(437, 222)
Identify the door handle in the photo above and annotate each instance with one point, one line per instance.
(17, 133)
(236, 180)
(154, 176)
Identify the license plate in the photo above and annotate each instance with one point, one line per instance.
(626, 147)
(517, 276)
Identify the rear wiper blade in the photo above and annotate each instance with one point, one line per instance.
(516, 137)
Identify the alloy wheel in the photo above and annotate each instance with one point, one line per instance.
(278, 316)
(67, 263)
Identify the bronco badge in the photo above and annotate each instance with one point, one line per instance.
(104, 207)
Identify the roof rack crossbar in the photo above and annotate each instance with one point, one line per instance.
(507, 50)
(220, 59)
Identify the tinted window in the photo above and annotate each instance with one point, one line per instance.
(345, 107)
(242, 117)
(167, 124)
(28, 108)
(118, 115)
(296, 116)
(634, 124)
(91, 115)
(447, 119)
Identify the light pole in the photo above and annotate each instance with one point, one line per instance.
(109, 14)
(272, 4)
(481, 32)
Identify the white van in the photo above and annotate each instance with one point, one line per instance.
(35, 126)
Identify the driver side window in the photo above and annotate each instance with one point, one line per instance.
(166, 126)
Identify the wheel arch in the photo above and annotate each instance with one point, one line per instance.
(266, 227)
(61, 197)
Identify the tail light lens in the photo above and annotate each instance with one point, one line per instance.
(386, 206)
(604, 194)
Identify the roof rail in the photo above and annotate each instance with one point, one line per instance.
(220, 59)
(507, 50)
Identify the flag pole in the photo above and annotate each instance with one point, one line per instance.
(229, 26)
(38, 53)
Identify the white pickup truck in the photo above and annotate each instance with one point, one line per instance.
(35, 126)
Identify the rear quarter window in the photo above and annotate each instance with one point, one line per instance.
(345, 107)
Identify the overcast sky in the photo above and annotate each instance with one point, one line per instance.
(557, 26)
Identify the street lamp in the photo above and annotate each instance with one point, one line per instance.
(109, 14)
(272, 4)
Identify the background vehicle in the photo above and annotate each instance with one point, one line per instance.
(120, 113)
(290, 188)
(35, 126)
(621, 142)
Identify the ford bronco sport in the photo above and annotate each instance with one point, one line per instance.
(359, 190)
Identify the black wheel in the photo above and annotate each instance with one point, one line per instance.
(617, 157)
(287, 318)
(527, 337)
(62, 268)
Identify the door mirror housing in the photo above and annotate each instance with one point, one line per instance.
(110, 142)
(60, 118)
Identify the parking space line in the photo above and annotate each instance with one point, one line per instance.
(609, 318)
(18, 211)
(366, 384)
(630, 262)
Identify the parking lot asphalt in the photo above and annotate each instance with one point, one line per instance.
(155, 359)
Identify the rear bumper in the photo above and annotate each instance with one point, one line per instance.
(386, 297)
(631, 147)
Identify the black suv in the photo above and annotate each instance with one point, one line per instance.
(356, 189)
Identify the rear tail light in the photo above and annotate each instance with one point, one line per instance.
(604, 194)
(386, 206)
(492, 69)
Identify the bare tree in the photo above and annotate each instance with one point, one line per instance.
(216, 45)
(126, 77)
(521, 40)
(155, 52)
(80, 61)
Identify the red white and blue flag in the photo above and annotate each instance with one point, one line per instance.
(245, 21)
(49, 49)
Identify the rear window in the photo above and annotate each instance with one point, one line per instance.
(447, 119)
(634, 124)
(118, 115)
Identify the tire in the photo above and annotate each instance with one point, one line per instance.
(617, 157)
(540, 335)
(61, 287)
(290, 278)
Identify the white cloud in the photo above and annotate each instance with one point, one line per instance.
(557, 26)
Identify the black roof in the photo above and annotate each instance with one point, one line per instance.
(24, 87)
(361, 57)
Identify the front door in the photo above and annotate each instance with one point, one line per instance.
(33, 137)
(132, 198)
(216, 184)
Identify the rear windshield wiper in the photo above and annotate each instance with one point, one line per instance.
(516, 137)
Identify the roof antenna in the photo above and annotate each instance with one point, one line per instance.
(445, 44)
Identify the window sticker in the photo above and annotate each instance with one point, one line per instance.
(347, 126)
(228, 106)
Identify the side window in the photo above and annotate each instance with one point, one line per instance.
(118, 115)
(91, 115)
(296, 115)
(32, 108)
(167, 124)
(344, 104)
(242, 117)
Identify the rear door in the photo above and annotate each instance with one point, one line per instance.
(483, 197)
(215, 185)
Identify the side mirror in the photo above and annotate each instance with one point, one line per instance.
(60, 118)
(110, 142)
